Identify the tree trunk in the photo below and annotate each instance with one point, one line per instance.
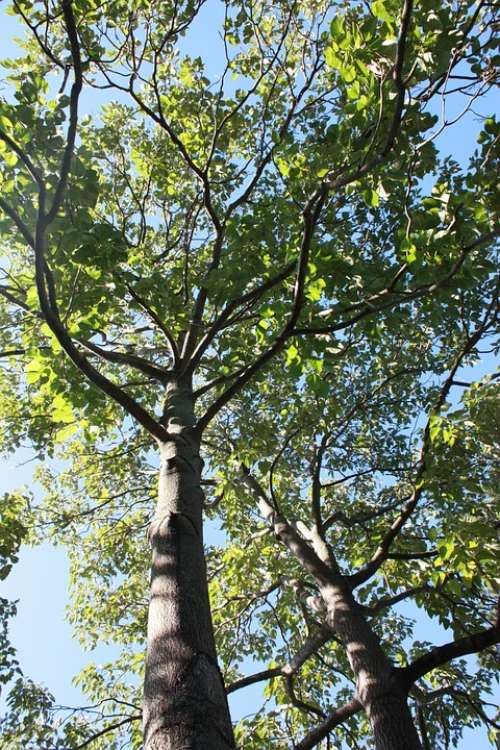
(185, 704)
(378, 690)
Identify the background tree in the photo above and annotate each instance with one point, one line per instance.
(272, 272)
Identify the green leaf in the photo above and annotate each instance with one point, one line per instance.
(379, 9)
(62, 410)
(409, 250)
(371, 197)
(292, 354)
(332, 59)
(10, 158)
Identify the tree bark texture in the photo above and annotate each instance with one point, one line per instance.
(185, 704)
(379, 691)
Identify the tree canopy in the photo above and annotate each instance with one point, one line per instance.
(284, 241)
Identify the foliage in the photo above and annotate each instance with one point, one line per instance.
(288, 232)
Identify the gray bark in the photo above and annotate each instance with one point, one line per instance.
(378, 688)
(185, 704)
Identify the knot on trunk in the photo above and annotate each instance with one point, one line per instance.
(160, 529)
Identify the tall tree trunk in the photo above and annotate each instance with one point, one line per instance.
(185, 704)
(378, 690)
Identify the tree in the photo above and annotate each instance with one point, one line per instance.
(273, 273)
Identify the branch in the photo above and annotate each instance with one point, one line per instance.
(4, 292)
(12, 353)
(107, 729)
(339, 180)
(34, 30)
(132, 360)
(265, 674)
(422, 727)
(397, 74)
(310, 216)
(361, 473)
(148, 368)
(308, 648)
(288, 534)
(412, 555)
(248, 602)
(201, 174)
(76, 88)
(298, 703)
(218, 128)
(389, 601)
(267, 158)
(23, 156)
(369, 308)
(43, 275)
(462, 696)
(14, 216)
(440, 655)
(338, 716)
(316, 484)
(382, 552)
(156, 319)
(244, 299)
(198, 171)
(242, 380)
(349, 521)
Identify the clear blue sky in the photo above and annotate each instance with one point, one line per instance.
(40, 580)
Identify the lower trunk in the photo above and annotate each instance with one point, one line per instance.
(378, 690)
(185, 705)
(392, 723)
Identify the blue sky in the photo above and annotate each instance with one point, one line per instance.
(47, 652)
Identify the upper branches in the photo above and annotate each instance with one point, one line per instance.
(287, 99)
(382, 552)
(48, 208)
